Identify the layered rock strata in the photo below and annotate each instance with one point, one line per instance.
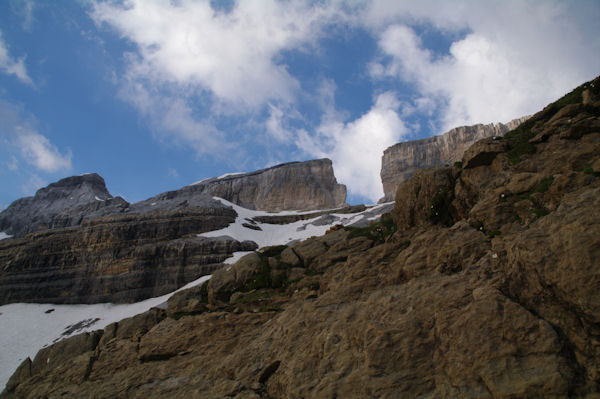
(309, 185)
(402, 160)
(75, 243)
(115, 259)
(486, 286)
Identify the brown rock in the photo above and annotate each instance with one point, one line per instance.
(415, 197)
(483, 152)
(230, 278)
(402, 160)
(289, 256)
(192, 300)
(433, 311)
(296, 185)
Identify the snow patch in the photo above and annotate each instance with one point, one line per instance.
(235, 257)
(276, 234)
(4, 236)
(25, 328)
(231, 174)
(98, 199)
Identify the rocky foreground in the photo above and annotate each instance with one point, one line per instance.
(483, 283)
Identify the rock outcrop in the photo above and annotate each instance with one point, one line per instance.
(402, 160)
(61, 204)
(309, 185)
(497, 298)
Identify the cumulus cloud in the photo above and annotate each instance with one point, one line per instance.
(24, 142)
(195, 65)
(514, 58)
(356, 147)
(39, 152)
(12, 66)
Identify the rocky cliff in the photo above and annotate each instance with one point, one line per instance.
(117, 258)
(60, 204)
(303, 186)
(402, 160)
(484, 283)
(75, 243)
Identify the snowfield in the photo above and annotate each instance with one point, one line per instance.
(25, 328)
(277, 234)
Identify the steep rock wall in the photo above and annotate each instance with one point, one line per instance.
(402, 160)
(115, 259)
(306, 185)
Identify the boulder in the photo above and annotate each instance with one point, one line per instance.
(430, 191)
(230, 278)
(483, 152)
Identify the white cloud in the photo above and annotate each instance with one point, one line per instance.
(275, 123)
(232, 55)
(11, 66)
(39, 152)
(23, 142)
(356, 147)
(24, 9)
(194, 64)
(515, 58)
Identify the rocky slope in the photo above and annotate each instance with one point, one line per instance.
(302, 186)
(402, 160)
(484, 283)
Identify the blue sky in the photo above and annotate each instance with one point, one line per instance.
(155, 95)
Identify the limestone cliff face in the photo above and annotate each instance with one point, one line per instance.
(402, 160)
(306, 185)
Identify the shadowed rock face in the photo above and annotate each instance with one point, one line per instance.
(115, 259)
(60, 204)
(306, 185)
(402, 160)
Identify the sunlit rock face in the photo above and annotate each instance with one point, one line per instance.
(306, 185)
(402, 160)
